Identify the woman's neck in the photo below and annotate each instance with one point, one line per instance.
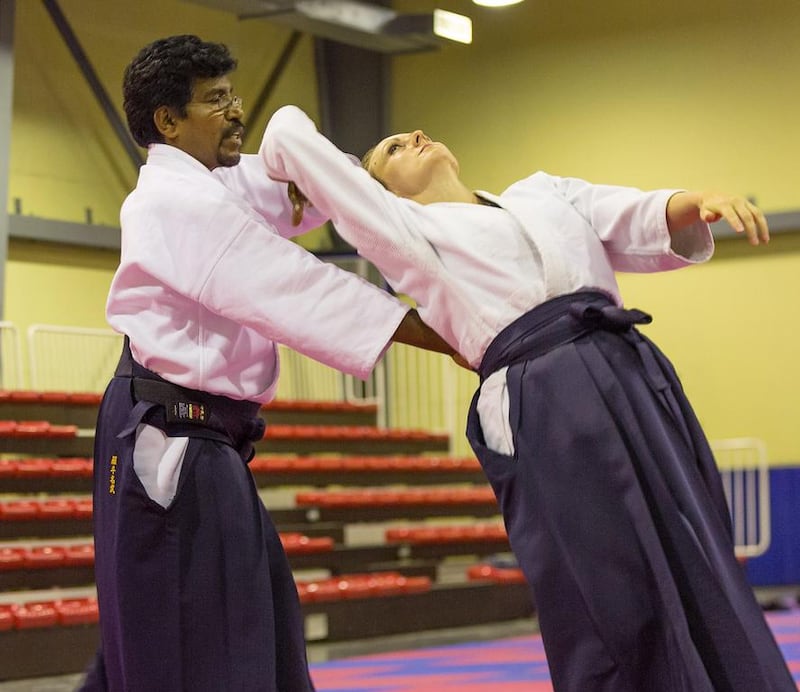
(452, 190)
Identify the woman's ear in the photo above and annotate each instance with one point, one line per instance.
(165, 122)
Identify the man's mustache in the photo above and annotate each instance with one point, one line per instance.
(234, 127)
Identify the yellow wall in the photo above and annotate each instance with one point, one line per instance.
(730, 328)
(612, 92)
(57, 284)
(710, 103)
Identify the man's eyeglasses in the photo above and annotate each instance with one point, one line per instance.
(223, 103)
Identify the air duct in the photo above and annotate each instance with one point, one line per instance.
(361, 24)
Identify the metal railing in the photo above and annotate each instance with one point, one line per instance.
(77, 359)
(745, 477)
(11, 376)
(429, 391)
(71, 359)
(302, 378)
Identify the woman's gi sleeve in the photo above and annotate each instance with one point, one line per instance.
(632, 226)
(385, 229)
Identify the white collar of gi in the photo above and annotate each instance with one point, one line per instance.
(169, 156)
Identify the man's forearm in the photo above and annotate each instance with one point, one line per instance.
(414, 332)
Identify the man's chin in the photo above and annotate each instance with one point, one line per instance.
(229, 160)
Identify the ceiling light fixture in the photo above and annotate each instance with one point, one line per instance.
(496, 3)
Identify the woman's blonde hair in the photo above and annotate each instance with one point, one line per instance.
(366, 160)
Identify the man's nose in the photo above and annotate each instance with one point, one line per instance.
(236, 110)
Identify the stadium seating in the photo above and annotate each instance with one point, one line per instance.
(340, 472)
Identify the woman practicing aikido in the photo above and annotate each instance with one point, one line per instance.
(610, 494)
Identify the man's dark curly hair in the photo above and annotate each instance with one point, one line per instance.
(163, 74)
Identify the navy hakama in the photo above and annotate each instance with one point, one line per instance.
(197, 596)
(615, 510)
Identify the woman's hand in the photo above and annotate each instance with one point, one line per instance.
(741, 215)
(685, 208)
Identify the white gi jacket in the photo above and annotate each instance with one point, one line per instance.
(208, 282)
(474, 269)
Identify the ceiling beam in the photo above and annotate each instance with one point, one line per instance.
(100, 94)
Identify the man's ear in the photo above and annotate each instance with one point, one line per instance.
(165, 122)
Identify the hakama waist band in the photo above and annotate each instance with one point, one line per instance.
(554, 323)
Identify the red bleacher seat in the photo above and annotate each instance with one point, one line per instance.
(24, 510)
(79, 555)
(35, 428)
(307, 498)
(353, 589)
(354, 586)
(265, 465)
(333, 406)
(304, 464)
(31, 428)
(377, 496)
(82, 509)
(24, 396)
(71, 466)
(61, 431)
(357, 463)
(477, 495)
(7, 428)
(42, 557)
(77, 611)
(45, 614)
(498, 575)
(11, 559)
(439, 534)
(331, 464)
(321, 591)
(34, 615)
(297, 543)
(85, 398)
(34, 468)
(56, 509)
(54, 397)
(6, 618)
(343, 432)
(19, 510)
(354, 464)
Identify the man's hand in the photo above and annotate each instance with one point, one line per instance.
(462, 362)
(299, 203)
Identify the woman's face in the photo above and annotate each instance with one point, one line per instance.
(410, 163)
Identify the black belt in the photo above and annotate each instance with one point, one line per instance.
(184, 410)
